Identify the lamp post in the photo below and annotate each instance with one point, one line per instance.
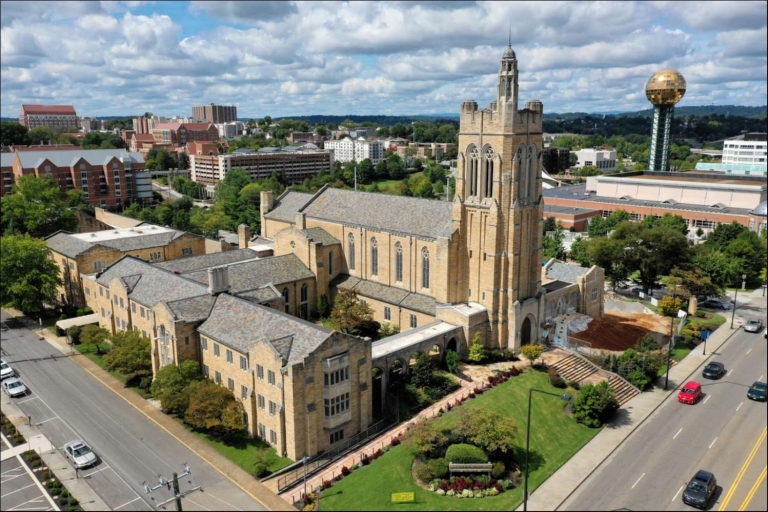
(735, 296)
(566, 398)
(671, 344)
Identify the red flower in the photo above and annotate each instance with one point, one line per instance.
(327, 484)
(345, 470)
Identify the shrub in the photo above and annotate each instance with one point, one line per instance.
(87, 310)
(574, 384)
(80, 312)
(74, 333)
(701, 314)
(422, 472)
(438, 467)
(558, 382)
(532, 352)
(498, 469)
(595, 405)
(327, 484)
(260, 470)
(647, 343)
(477, 352)
(345, 470)
(465, 454)
(452, 361)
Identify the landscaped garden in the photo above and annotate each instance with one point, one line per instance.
(425, 450)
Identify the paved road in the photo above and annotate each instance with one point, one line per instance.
(717, 434)
(68, 403)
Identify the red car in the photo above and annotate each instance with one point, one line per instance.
(690, 393)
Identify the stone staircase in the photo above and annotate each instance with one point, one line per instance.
(575, 368)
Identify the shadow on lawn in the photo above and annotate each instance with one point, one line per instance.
(535, 459)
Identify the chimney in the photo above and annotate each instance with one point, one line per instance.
(266, 201)
(243, 236)
(301, 220)
(218, 280)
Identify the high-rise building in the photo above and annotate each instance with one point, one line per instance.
(215, 113)
(346, 150)
(663, 90)
(52, 116)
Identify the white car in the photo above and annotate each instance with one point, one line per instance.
(14, 387)
(5, 370)
(80, 454)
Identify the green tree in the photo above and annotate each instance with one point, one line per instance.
(672, 221)
(451, 361)
(131, 355)
(695, 281)
(213, 408)
(425, 438)
(550, 223)
(183, 161)
(323, 306)
(532, 352)
(609, 254)
(421, 371)
(28, 277)
(477, 352)
(395, 167)
(352, 316)
(487, 429)
(721, 269)
(41, 135)
(387, 329)
(595, 405)
(750, 250)
(93, 335)
(589, 170)
(14, 134)
(35, 207)
(74, 333)
(597, 227)
(639, 369)
(579, 252)
(170, 386)
(553, 245)
(669, 305)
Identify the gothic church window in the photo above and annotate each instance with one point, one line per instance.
(399, 262)
(425, 268)
(286, 297)
(473, 170)
(374, 257)
(488, 172)
(351, 251)
(304, 308)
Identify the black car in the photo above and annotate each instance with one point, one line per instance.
(758, 391)
(700, 489)
(713, 371)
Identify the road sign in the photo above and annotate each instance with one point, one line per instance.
(743, 277)
(403, 497)
(704, 335)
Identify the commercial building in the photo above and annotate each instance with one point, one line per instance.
(556, 160)
(296, 162)
(216, 114)
(53, 116)
(304, 137)
(423, 150)
(347, 150)
(743, 155)
(603, 159)
(86, 253)
(108, 177)
(178, 134)
(703, 199)
(230, 130)
(147, 124)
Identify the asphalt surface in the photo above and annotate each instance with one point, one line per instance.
(19, 490)
(717, 434)
(67, 403)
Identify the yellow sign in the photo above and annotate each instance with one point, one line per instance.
(403, 497)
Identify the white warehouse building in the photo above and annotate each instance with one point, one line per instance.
(603, 159)
(347, 149)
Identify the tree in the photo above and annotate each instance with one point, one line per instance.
(387, 329)
(724, 234)
(451, 361)
(170, 386)
(750, 250)
(93, 335)
(553, 245)
(609, 254)
(213, 408)
(323, 307)
(639, 369)
(477, 352)
(597, 227)
(579, 252)
(669, 305)
(131, 355)
(425, 438)
(595, 404)
(550, 223)
(421, 371)
(695, 282)
(13, 134)
(35, 207)
(721, 269)
(352, 316)
(74, 332)
(532, 352)
(395, 167)
(672, 221)
(589, 170)
(28, 277)
(487, 429)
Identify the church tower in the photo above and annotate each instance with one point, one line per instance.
(498, 209)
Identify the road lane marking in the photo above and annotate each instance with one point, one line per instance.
(740, 475)
(17, 490)
(49, 419)
(748, 351)
(753, 490)
(638, 480)
(713, 442)
(739, 407)
(729, 373)
(761, 378)
(33, 500)
(678, 492)
(27, 400)
(678, 433)
(705, 400)
(126, 504)
(12, 470)
(94, 472)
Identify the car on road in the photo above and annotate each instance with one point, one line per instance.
(5, 370)
(713, 370)
(700, 489)
(80, 454)
(14, 387)
(753, 325)
(690, 393)
(716, 304)
(758, 391)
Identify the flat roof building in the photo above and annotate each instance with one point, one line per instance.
(52, 116)
(215, 114)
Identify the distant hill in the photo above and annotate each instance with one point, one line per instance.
(703, 110)
(380, 120)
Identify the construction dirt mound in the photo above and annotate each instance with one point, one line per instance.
(619, 332)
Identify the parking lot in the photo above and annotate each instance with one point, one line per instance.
(19, 488)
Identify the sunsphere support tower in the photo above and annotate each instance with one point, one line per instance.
(663, 90)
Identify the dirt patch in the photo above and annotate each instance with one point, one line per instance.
(619, 332)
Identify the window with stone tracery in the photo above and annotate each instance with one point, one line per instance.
(473, 168)
(489, 172)
(399, 262)
(425, 268)
(374, 257)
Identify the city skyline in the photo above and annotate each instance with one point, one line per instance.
(360, 58)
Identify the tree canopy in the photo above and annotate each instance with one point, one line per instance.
(35, 207)
(28, 277)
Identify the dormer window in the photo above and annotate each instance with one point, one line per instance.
(669, 201)
(625, 198)
(718, 206)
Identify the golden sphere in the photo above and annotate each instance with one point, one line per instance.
(665, 87)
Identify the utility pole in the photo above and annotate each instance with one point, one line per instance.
(736, 295)
(355, 178)
(172, 485)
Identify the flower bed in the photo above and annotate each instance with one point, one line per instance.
(470, 487)
(11, 432)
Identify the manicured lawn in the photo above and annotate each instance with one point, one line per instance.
(390, 184)
(554, 439)
(90, 352)
(709, 323)
(246, 452)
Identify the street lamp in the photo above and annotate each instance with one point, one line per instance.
(565, 398)
(735, 296)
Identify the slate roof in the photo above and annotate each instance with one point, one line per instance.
(241, 324)
(322, 236)
(389, 294)
(67, 245)
(261, 295)
(194, 263)
(63, 243)
(565, 272)
(155, 285)
(193, 309)
(68, 158)
(426, 218)
(287, 205)
(250, 275)
(6, 159)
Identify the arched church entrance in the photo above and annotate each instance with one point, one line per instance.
(525, 332)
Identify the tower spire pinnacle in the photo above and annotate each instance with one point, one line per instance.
(510, 35)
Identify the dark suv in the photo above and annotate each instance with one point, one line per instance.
(700, 489)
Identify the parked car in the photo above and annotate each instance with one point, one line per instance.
(690, 393)
(80, 454)
(13, 387)
(717, 304)
(700, 489)
(713, 370)
(5, 370)
(753, 325)
(758, 391)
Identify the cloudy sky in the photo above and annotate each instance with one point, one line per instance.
(297, 58)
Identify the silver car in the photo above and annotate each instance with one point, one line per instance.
(80, 454)
(14, 387)
(5, 370)
(753, 325)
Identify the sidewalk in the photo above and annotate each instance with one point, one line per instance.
(227, 468)
(63, 470)
(557, 488)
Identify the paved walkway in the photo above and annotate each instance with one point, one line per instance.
(229, 469)
(557, 488)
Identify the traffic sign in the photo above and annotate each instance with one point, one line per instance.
(743, 277)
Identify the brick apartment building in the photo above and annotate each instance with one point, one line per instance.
(215, 113)
(304, 137)
(179, 134)
(53, 116)
(107, 176)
